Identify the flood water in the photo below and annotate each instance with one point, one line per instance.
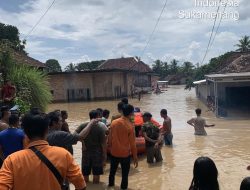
(228, 144)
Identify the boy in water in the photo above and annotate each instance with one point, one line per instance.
(199, 123)
(167, 128)
(153, 139)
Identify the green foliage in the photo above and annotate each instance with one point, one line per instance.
(32, 86)
(53, 66)
(6, 64)
(84, 66)
(24, 106)
(161, 68)
(11, 33)
(89, 65)
(174, 67)
(244, 44)
(70, 68)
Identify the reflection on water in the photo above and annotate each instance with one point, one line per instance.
(228, 144)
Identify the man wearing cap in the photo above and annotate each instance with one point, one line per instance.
(153, 139)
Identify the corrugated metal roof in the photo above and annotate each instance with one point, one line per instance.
(226, 75)
(200, 81)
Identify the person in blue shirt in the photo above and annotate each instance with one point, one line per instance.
(12, 138)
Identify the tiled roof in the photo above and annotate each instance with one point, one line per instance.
(21, 58)
(129, 63)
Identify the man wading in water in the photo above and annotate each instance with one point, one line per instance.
(199, 123)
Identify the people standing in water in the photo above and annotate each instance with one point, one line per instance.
(205, 175)
(65, 125)
(119, 109)
(167, 128)
(94, 150)
(199, 123)
(105, 116)
(153, 139)
(122, 143)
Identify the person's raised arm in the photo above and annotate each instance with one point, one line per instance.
(212, 125)
(84, 133)
(191, 122)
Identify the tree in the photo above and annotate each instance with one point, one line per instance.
(53, 66)
(88, 65)
(70, 68)
(174, 66)
(157, 67)
(187, 68)
(244, 44)
(11, 33)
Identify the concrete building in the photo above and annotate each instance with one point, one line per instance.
(114, 78)
(227, 94)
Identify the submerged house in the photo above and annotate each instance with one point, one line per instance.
(227, 94)
(114, 78)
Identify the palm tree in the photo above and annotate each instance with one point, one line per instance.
(70, 68)
(174, 66)
(244, 44)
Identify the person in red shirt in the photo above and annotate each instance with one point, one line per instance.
(8, 92)
(122, 144)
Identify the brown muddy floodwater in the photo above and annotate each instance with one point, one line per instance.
(228, 144)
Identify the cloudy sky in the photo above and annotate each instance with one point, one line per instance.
(83, 30)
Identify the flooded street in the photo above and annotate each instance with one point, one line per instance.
(228, 144)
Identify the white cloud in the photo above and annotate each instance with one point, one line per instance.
(99, 29)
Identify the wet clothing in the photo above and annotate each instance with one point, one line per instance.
(11, 140)
(152, 153)
(125, 166)
(199, 125)
(152, 132)
(96, 136)
(92, 154)
(62, 139)
(168, 139)
(92, 161)
(23, 170)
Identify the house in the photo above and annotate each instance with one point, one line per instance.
(227, 93)
(114, 78)
(22, 58)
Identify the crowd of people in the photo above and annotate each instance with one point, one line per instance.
(36, 150)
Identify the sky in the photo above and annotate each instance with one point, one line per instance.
(85, 30)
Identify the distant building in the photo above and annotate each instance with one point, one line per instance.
(227, 94)
(22, 58)
(114, 78)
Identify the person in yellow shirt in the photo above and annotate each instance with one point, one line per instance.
(24, 170)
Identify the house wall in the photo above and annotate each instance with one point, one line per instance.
(201, 92)
(100, 85)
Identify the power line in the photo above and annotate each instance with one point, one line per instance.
(211, 34)
(151, 35)
(39, 20)
(218, 25)
(157, 22)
